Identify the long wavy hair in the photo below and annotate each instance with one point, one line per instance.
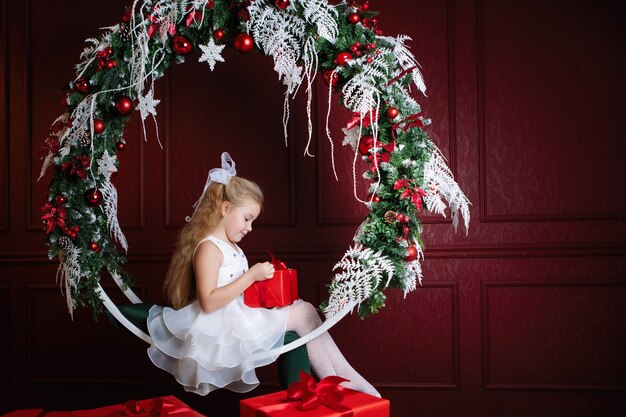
(180, 283)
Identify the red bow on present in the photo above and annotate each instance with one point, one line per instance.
(306, 394)
(132, 409)
(278, 264)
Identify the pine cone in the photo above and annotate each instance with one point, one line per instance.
(124, 32)
(64, 242)
(85, 139)
(390, 217)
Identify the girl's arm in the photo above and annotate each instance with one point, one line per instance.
(207, 262)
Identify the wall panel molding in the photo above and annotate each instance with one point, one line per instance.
(33, 165)
(394, 330)
(78, 340)
(531, 328)
(455, 329)
(4, 120)
(485, 215)
(283, 170)
(4, 329)
(432, 252)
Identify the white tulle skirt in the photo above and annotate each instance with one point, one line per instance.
(207, 351)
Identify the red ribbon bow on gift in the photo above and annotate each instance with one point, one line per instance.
(278, 264)
(132, 409)
(306, 394)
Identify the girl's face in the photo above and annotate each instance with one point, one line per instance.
(237, 220)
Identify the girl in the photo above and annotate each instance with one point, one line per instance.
(207, 340)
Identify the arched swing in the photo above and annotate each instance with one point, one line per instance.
(372, 74)
(294, 357)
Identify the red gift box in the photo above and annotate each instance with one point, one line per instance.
(278, 291)
(325, 400)
(154, 407)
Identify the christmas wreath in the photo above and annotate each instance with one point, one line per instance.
(371, 72)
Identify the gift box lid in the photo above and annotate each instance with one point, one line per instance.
(274, 405)
(152, 407)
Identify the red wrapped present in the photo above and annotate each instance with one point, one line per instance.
(31, 412)
(278, 291)
(154, 407)
(309, 399)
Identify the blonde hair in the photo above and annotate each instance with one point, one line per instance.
(179, 287)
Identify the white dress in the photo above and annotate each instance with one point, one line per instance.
(207, 351)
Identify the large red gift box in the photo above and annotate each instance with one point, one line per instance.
(168, 406)
(306, 398)
(278, 291)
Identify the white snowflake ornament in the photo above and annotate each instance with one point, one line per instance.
(211, 53)
(106, 164)
(147, 105)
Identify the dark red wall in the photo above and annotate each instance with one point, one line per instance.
(523, 316)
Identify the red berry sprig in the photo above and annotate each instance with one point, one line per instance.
(104, 59)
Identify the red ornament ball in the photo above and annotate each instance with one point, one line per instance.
(400, 217)
(94, 246)
(93, 197)
(243, 42)
(365, 6)
(282, 4)
(60, 199)
(365, 144)
(392, 112)
(181, 45)
(374, 198)
(218, 34)
(99, 126)
(328, 74)
(343, 58)
(82, 85)
(124, 105)
(411, 254)
(354, 18)
(120, 145)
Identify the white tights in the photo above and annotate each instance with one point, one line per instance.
(325, 357)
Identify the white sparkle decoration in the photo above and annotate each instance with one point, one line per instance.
(147, 105)
(106, 165)
(211, 53)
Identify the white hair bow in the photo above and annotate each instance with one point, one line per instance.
(221, 175)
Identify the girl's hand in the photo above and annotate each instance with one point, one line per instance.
(262, 271)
